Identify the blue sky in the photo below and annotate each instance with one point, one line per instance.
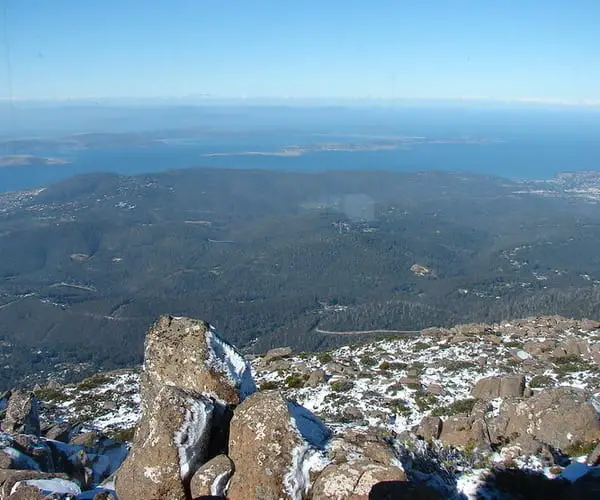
(500, 49)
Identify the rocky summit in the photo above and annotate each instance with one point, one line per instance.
(508, 410)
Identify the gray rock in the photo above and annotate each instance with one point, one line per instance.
(265, 432)
(277, 353)
(212, 477)
(353, 480)
(22, 415)
(59, 432)
(430, 427)
(189, 375)
(499, 387)
(558, 416)
(316, 378)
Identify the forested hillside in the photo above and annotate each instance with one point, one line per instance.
(274, 258)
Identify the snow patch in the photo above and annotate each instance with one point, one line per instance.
(22, 461)
(307, 456)
(308, 425)
(193, 436)
(228, 360)
(219, 485)
(48, 486)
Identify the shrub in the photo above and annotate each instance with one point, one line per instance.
(399, 407)
(93, 382)
(50, 394)
(455, 366)
(368, 361)
(540, 381)
(123, 435)
(425, 400)
(579, 448)
(458, 406)
(324, 357)
(384, 365)
(268, 385)
(342, 385)
(294, 381)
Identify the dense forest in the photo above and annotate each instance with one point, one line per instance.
(274, 258)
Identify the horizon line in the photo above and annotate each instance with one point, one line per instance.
(291, 99)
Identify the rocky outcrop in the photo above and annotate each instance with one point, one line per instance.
(277, 353)
(268, 440)
(499, 387)
(170, 443)
(190, 379)
(353, 480)
(559, 417)
(22, 416)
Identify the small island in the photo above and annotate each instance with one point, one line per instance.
(30, 161)
(379, 145)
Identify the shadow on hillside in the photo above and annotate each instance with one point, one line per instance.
(399, 490)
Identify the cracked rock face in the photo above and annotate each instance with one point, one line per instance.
(22, 414)
(262, 441)
(189, 378)
(559, 417)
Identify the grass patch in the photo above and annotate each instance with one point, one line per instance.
(93, 382)
(458, 406)
(400, 407)
(51, 395)
(342, 385)
(457, 365)
(579, 448)
(324, 357)
(425, 400)
(540, 381)
(294, 381)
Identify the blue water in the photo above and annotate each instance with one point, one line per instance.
(517, 158)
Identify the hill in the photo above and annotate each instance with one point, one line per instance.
(276, 258)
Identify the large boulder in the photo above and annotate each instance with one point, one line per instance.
(499, 387)
(188, 354)
(269, 440)
(353, 480)
(190, 379)
(559, 417)
(277, 353)
(22, 416)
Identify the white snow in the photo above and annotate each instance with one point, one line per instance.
(193, 436)
(469, 484)
(22, 461)
(305, 457)
(219, 485)
(229, 361)
(47, 486)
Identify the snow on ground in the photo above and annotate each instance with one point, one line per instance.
(228, 360)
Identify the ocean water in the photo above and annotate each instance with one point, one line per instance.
(523, 157)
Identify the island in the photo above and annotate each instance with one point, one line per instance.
(30, 161)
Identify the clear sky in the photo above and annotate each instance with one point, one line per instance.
(501, 49)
